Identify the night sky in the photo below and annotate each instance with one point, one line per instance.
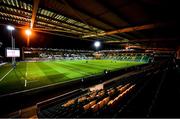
(44, 40)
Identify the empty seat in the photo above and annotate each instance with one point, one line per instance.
(101, 104)
(86, 107)
(111, 92)
(118, 98)
(81, 99)
(92, 103)
(70, 102)
(106, 100)
(95, 107)
(129, 89)
(119, 87)
(124, 88)
(110, 102)
(91, 97)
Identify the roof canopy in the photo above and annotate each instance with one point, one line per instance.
(150, 23)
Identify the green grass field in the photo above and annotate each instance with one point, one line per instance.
(48, 72)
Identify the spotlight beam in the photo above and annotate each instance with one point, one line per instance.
(28, 33)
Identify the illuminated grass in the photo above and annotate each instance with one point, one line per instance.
(43, 73)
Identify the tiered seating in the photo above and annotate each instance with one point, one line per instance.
(116, 100)
(145, 58)
(128, 57)
(89, 105)
(70, 102)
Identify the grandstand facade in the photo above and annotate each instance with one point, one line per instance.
(64, 54)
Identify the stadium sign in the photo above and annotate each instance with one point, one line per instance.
(12, 52)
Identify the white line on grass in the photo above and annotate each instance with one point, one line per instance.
(25, 83)
(6, 74)
(32, 81)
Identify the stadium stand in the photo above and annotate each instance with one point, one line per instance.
(90, 104)
(39, 54)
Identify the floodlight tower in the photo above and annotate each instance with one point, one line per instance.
(28, 33)
(11, 29)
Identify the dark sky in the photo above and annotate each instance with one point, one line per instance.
(40, 40)
(44, 40)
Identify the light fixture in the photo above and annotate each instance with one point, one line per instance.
(28, 32)
(11, 28)
(97, 44)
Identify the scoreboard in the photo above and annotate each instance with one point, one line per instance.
(12, 53)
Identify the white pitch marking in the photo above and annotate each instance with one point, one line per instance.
(6, 74)
(25, 83)
(32, 81)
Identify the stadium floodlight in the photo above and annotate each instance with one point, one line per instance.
(28, 32)
(97, 44)
(10, 28)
